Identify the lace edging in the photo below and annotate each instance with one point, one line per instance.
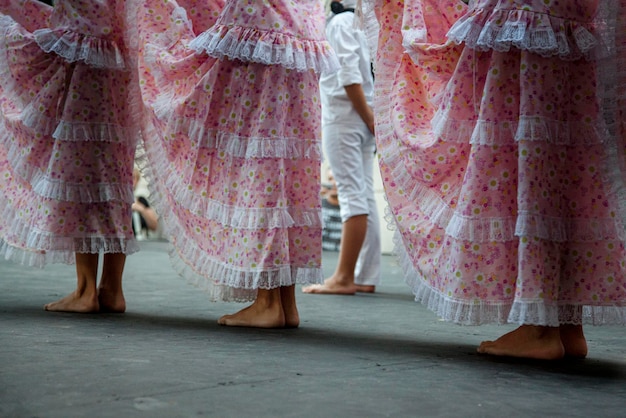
(266, 47)
(499, 229)
(85, 131)
(225, 284)
(528, 128)
(84, 193)
(40, 258)
(168, 111)
(7, 81)
(19, 163)
(394, 149)
(171, 184)
(219, 280)
(37, 249)
(236, 145)
(74, 47)
(39, 123)
(527, 30)
(477, 312)
(366, 21)
(28, 244)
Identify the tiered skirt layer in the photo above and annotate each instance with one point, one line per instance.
(69, 126)
(233, 149)
(503, 166)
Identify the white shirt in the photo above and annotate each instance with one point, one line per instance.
(350, 45)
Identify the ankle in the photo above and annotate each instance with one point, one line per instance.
(541, 331)
(86, 293)
(110, 290)
(342, 279)
(268, 298)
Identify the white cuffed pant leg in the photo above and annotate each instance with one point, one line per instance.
(350, 151)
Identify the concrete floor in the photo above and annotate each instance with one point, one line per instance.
(379, 355)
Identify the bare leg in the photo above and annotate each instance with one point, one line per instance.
(265, 312)
(527, 341)
(290, 309)
(110, 293)
(85, 298)
(573, 340)
(342, 281)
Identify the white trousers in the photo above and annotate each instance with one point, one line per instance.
(350, 150)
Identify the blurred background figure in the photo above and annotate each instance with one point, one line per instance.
(331, 234)
(145, 219)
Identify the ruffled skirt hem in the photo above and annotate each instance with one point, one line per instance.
(175, 184)
(76, 47)
(53, 250)
(548, 36)
(221, 280)
(223, 283)
(265, 47)
(480, 312)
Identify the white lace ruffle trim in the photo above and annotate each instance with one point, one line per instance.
(502, 229)
(64, 130)
(527, 30)
(84, 193)
(42, 249)
(395, 147)
(266, 47)
(31, 116)
(74, 47)
(7, 82)
(242, 147)
(20, 163)
(478, 312)
(23, 240)
(174, 185)
(527, 128)
(435, 209)
(221, 281)
(366, 21)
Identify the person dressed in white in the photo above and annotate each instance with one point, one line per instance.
(349, 146)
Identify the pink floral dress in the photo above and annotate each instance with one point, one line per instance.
(501, 137)
(233, 138)
(67, 131)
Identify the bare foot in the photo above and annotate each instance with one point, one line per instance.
(74, 303)
(573, 341)
(290, 309)
(254, 317)
(331, 286)
(365, 288)
(527, 341)
(111, 302)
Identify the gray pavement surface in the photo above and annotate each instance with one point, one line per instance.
(379, 355)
